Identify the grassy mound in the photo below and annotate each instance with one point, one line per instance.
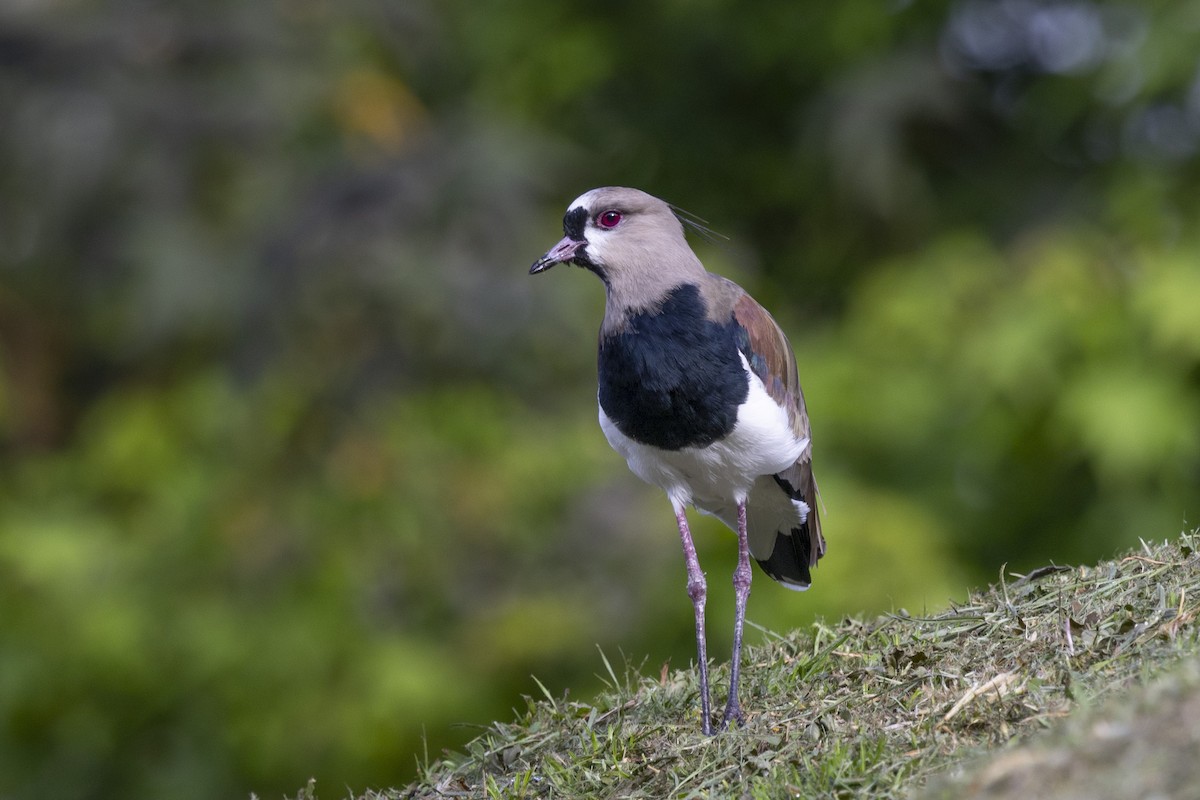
(886, 707)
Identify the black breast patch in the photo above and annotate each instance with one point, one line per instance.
(672, 378)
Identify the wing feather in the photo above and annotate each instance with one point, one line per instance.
(770, 356)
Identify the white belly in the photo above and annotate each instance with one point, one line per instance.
(717, 477)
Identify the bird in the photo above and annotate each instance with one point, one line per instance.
(699, 391)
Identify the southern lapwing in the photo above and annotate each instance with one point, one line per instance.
(699, 392)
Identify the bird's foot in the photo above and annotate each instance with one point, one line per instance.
(734, 715)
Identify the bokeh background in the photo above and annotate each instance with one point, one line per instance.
(300, 473)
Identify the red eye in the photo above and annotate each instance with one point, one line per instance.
(609, 219)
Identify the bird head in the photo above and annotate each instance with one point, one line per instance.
(617, 232)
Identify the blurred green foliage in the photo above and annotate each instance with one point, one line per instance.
(298, 468)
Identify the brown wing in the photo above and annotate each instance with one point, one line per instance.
(771, 358)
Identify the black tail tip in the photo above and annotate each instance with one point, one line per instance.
(797, 580)
(790, 559)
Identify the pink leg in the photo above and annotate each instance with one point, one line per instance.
(697, 590)
(741, 591)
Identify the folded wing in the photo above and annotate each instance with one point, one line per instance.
(798, 543)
